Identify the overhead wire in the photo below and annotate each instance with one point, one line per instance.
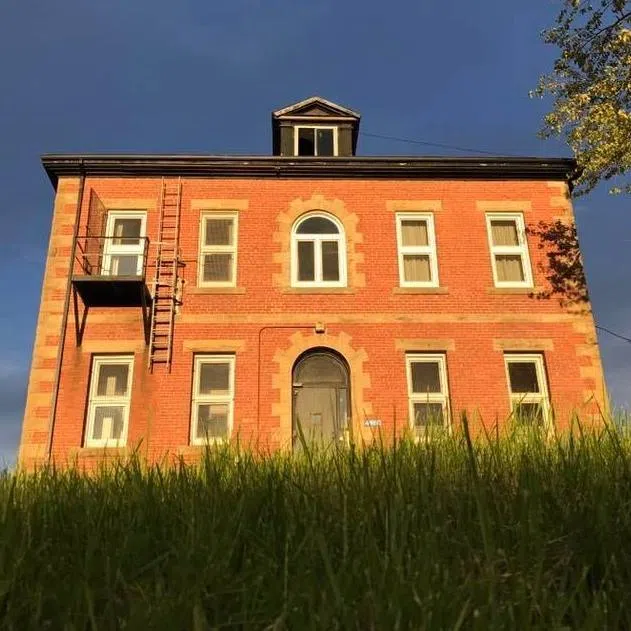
(621, 337)
(429, 144)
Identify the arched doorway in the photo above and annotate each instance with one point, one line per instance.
(321, 397)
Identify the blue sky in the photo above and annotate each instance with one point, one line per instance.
(203, 76)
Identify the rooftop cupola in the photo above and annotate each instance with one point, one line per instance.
(315, 127)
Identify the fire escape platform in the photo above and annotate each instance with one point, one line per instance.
(112, 291)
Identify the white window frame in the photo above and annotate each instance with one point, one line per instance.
(335, 129)
(198, 398)
(95, 401)
(427, 250)
(317, 240)
(542, 396)
(428, 397)
(515, 250)
(217, 249)
(110, 250)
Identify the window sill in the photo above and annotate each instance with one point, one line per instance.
(95, 452)
(215, 290)
(318, 290)
(512, 290)
(197, 449)
(420, 290)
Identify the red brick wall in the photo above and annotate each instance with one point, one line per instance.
(469, 315)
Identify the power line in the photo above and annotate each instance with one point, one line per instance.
(621, 337)
(428, 144)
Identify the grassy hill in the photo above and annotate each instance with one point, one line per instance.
(516, 533)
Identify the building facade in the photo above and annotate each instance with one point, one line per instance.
(190, 300)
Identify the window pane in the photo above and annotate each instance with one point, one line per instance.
(218, 267)
(504, 232)
(317, 225)
(212, 421)
(108, 422)
(330, 261)
(112, 380)
(425, 377)
(219, 232)
(214, 379)
(325, 142)
(123, 266)
(126, 231)
(343, 409)
(320, 368)
(306, 265)
(306, 144)
(416, 268)
(523, 377)
(428, 415)
(509, 268)
(528, 413)
(414, 232)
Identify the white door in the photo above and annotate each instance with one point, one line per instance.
(124, 245)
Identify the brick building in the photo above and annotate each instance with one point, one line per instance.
(199, 298)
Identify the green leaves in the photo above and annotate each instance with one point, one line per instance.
(591, 88)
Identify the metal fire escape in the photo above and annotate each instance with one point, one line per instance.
(165, 287)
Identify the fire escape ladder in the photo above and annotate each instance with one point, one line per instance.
(165, 299)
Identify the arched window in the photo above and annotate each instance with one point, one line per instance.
(318, 252)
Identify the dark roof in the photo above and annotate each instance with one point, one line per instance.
(363, 167)
(315, 104)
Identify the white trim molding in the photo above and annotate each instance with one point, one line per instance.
(519, 249)
(334, 128)
(440, 396)
(207, 250)
(540, 396)
(109, 399)
(224, 399)
(428, 250)
(318, 239)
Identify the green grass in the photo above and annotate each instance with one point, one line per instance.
(506, 534)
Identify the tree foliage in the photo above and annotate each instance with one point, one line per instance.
(591, 88)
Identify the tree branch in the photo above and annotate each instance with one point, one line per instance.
(605, 28)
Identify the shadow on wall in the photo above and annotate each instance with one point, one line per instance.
(564, 265)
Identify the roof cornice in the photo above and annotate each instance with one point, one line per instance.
(356, 167)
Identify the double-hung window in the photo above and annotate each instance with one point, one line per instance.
(417, 250)
(318, 252)
(213, 398)
(509, 250)
(427, 391)
(526, 377)
(124, 244)
(218, 250)
(109, 401)
(315, 141)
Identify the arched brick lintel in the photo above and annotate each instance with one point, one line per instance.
(335, 207)
(300, 343)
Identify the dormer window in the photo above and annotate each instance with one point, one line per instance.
(315, 141)
(315, 127)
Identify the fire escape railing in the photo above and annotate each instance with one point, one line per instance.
(107, 256)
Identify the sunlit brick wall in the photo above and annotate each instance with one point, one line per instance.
(372, 322)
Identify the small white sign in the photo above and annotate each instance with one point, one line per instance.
(372, 422)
